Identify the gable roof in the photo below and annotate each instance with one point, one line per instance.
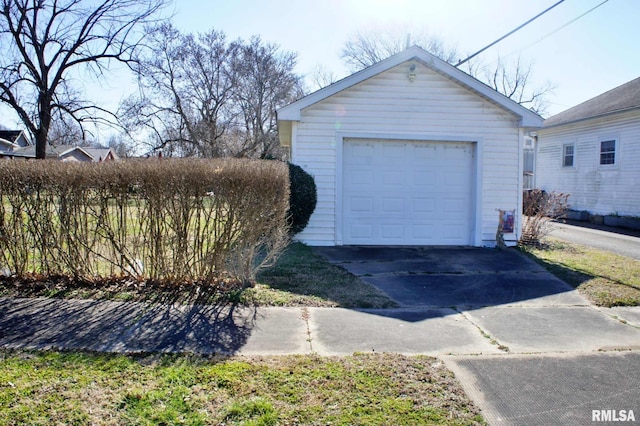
(101, 154)
(12, 137)
(55, 152)
(527, 118)
(622, 98)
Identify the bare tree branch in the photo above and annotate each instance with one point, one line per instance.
(512, 80)
(43, 41)
(366, 48)
(210, 97)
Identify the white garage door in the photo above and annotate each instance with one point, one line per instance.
(407, 192)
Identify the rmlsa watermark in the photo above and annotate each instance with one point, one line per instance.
(613, 416)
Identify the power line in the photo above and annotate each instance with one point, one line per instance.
(565, 25)
(508, 34)
(548, 34)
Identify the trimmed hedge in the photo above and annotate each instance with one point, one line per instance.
(303, 198)
(170, 219)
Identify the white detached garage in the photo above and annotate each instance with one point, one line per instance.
(410, 151)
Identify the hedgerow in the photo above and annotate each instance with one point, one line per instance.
(178, 219)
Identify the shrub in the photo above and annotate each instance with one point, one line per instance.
(539, 208)
(183, 219)
(303, 198)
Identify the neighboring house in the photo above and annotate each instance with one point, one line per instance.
(592, 152)
(68, 153)
(11, 140)
(409, 151)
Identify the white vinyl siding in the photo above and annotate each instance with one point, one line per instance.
(432, 107)
(594, 187)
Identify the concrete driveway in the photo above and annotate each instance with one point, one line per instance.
(549, 357)
(616, 240)
(453, 277)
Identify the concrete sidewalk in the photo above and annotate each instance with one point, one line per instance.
(522, 364)
(135, 327)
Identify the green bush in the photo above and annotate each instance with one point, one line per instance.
(303, 198)
(178, 219)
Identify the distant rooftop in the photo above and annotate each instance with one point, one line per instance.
(622, 98)
(10, 135)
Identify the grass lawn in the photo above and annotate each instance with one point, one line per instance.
(299, 278)
(302, 278)
(74, 388)
(605, 278)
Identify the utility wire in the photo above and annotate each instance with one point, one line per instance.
(508, 34)
(548, 34)
(563, 26)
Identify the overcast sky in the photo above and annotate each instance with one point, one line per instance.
(587, 57)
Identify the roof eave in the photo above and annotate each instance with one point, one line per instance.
(527, 118)
(593, 117)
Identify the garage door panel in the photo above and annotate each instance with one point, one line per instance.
(423, 232)
(361, 204)
(393, 177)
(423, 205)
(361, 231)
(392, 231)
(407, 192)
(393, 151)
(423, 153)
(393, 205)
(424, 178)
(455, 206)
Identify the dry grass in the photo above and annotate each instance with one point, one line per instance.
(298, 278)
(605, 278)
(75, 388)
(302, 278)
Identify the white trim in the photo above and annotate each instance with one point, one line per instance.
(7, 142)
(563, 155)
(91, 157)
(519, 213)
(527, 118)
(338, 189)
(616, 152)
(477, 188)
(294, 142)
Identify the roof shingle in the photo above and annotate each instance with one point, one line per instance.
(621, 98)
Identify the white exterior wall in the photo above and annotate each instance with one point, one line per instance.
(592, 187)
(430, 108)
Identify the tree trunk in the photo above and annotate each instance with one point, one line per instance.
(42, 133)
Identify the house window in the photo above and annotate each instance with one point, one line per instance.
(567, 155)
(608, 152)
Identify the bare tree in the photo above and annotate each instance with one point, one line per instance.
(321, 77)
(512, 80)
(186, 85)
(366, 48)
(204, 96)
(64, 132)
(44, 41)
(266, 81)
(120, 145)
